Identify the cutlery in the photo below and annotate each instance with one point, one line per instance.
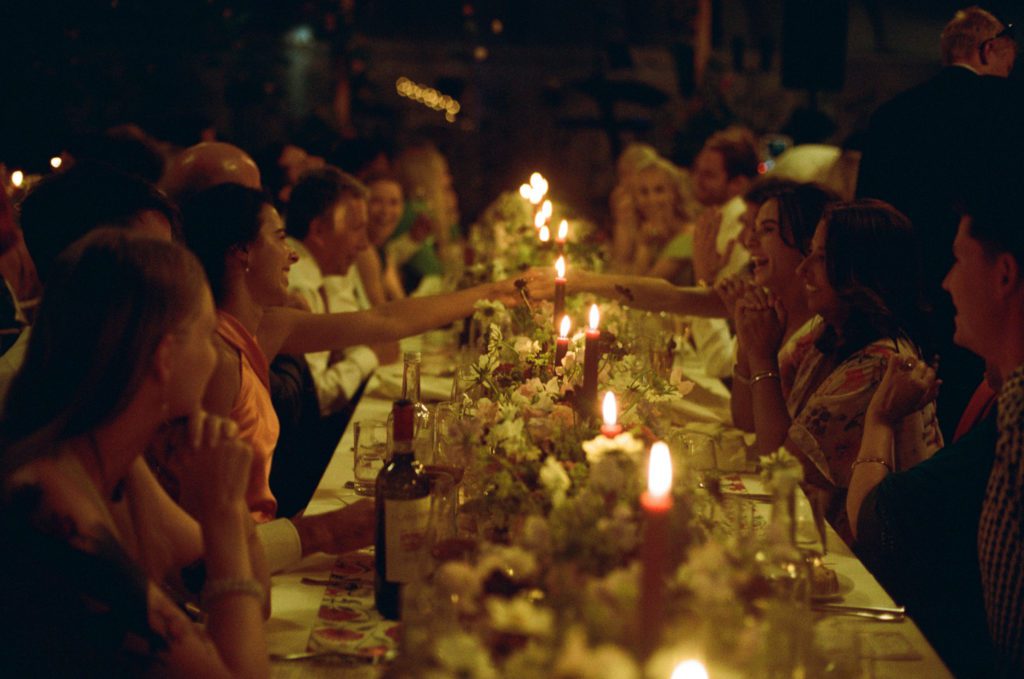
(333, 653)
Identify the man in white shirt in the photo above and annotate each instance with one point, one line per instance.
(326, 222)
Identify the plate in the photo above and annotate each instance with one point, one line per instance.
(845, 587)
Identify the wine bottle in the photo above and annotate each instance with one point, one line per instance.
(422, 428)
(403, 513)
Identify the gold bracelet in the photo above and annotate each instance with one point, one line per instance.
(874, 460)
(764, 375)
(215, 589)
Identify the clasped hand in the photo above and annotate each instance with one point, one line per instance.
(908, 385)
(760, 324)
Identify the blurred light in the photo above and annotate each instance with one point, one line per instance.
(56, 162)
(301, 36)
(690, 669)
(17, 178)
(429, 97)
(765, 166)
(497, 27)
(480, 53)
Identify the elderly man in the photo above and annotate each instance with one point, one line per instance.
(934, 142)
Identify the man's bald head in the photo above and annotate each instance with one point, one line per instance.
(206, 165)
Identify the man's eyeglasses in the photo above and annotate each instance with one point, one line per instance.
(1007, 32)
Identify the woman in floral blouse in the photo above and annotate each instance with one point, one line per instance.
(860, 277)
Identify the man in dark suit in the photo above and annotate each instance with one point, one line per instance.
(928, 148)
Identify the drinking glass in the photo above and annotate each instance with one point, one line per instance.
(370, 448)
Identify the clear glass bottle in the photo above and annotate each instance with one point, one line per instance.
(423, 443)
(403, 515)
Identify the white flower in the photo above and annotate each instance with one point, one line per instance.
(460, 581)
(526, 348)
(464, 656)
(555, 480)
(599, 446)
(514, 562)
(520, 616)
(578, 660)
(535, 535)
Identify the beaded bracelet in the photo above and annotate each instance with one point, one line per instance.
(216, 589)
(764, 375)
(874, 460)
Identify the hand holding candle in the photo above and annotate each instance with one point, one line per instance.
(610, 411)
(562, 343)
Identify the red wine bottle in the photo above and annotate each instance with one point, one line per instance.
(403, 512)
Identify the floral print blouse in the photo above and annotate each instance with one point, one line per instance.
(828, 420)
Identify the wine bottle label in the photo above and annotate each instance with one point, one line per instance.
(405, 523)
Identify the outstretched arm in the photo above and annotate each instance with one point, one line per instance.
(297, 332)
(652, 294)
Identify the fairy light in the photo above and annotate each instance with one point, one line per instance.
(429, 97)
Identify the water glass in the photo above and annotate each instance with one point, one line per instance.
(370, 449)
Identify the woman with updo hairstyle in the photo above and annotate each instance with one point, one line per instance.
(239, 237)
(862, 278)
(119, 359)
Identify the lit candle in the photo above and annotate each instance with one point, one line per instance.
(591, 358)
(656, 503)
(538, 219)
(559, 288)
(562, 343)
(563, 234)
(544, 234)
(56, 162)
(690, 669)
(17, 178)
(546, 210)
(610, 412)
(525, 190)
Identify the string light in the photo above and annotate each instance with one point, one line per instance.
(429, 97)
(17, 178)
(56, 162)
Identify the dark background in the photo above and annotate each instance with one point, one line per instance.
(555, 85)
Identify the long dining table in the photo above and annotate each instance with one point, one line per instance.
(879, 649)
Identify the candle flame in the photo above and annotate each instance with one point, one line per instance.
(545, 233)
(56, 162)
(17, 178)
(560, 267)
(535, 179)
(659, 471)
(595, 317)
(546, 209)
(525, 190)
(563, 231)
(690, 669)
(563, 331)
(610, 409)
(538, 220)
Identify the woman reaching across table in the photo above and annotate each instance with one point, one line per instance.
(122, 346)
(240, 240)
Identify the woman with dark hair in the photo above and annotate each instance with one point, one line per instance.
(861, 278)
(240, 239)
(92, 538)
